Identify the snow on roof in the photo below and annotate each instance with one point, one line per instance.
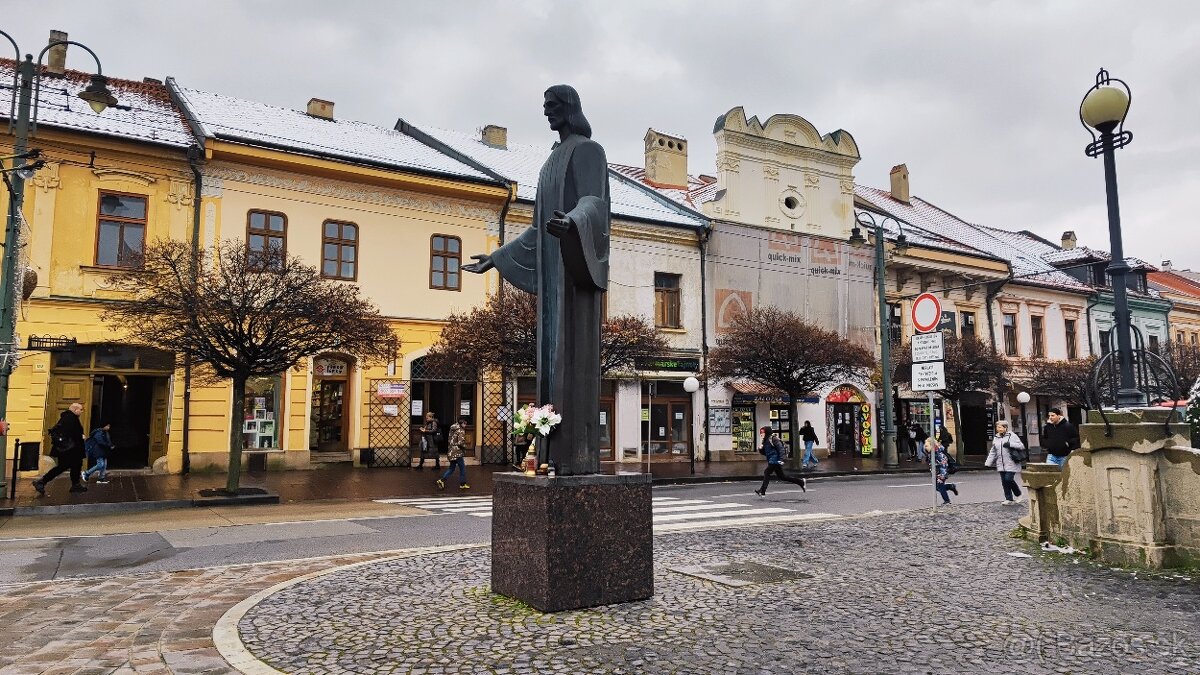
(522, 162)
(254, 123)
(144, 111)
(693, 197)
(1022, 250)
(1081, 254)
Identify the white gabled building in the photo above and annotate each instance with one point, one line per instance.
(781, 207)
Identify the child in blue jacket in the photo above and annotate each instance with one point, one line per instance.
(97, 447)
(774, 449)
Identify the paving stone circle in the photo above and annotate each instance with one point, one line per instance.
(908, 593)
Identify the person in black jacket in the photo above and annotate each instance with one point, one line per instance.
(66, 439)
(1059, 438)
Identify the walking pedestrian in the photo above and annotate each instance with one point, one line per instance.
(944, 438)
(431, 436)
(919, 436)
(1059, 438)
(774, 449)
(96, 447)
(809, 436)
(66, 446)
(1006, 455)
(941, 460)
(457, 445)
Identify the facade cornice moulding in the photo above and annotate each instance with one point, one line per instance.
(341, 189)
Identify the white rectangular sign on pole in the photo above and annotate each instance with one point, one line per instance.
(929, 376)
(927, 347)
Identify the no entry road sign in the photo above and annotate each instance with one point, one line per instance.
(926, 312)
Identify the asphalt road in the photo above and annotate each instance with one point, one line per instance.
(167, 544)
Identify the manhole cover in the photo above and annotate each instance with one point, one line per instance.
(738, 574)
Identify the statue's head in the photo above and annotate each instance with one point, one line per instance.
(564, 111)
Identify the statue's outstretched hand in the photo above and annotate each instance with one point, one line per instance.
(560, 224)
(483, 263)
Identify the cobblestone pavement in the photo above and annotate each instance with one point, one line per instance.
(140, 623)
(890, 594)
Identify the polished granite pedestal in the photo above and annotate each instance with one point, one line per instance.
(571, 542)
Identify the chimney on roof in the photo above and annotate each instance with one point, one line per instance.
(707, 179)
(1167, 266)
(56, 64)
(900, 184)
(320, 108)
(1069, 240)
(666, 160)
(494, 136)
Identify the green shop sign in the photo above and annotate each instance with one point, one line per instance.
(666, 363)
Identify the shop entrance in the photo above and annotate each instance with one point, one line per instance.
(331, 379)
(845, 417)
(666, 421)
(126, 387)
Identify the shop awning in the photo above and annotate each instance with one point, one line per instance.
(745, 392)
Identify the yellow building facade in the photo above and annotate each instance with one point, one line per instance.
(366, 205)
(111, 182)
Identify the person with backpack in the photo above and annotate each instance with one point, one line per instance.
(809, 436)
(458, 448)
(775, 451)
(66, 446)
(944, 438)
(945, 466)
(919, 436)
(1007, 455)
(97, 447)
(431, 438)
(1059, 438)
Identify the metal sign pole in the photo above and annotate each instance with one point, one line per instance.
(932, 456)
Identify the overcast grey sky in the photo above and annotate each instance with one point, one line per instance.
(980, 99)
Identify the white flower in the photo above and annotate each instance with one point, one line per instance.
(543, 429)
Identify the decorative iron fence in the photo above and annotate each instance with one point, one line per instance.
(391, 440)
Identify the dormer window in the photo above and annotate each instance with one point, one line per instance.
(1100, 274)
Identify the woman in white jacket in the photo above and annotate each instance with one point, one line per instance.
(1001, 458)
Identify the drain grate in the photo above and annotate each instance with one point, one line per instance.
(738, 574)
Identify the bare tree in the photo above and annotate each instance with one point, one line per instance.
(1066, 381)
(971, 365)
(779, 349)
(502, 333)
(1184, 359)
(244, 316)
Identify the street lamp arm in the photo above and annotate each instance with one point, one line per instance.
(82, 46)
(98, 86)
(12, 108)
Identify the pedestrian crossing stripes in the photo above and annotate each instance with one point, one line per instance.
(670, 513)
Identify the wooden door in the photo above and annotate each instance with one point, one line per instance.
(65, 390)
(329, 416)
(160, 400)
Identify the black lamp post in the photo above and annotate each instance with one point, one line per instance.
(888, 445)
(26, 94)
(1102, 113)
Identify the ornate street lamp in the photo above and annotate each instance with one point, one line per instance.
(1102, 113)
(891, 459)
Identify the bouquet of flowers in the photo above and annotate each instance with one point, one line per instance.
(536, 420)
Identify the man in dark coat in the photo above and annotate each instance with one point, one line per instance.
(563, 258)
(1059, 438)
(66, 439)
